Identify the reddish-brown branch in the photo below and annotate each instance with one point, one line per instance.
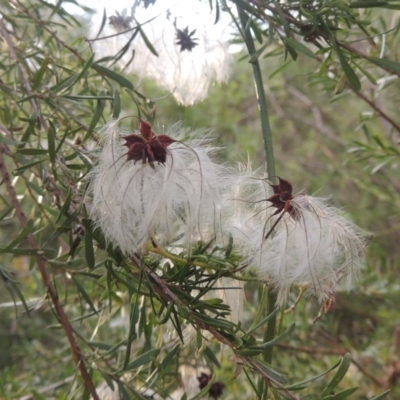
(381, 113)
(41, 263)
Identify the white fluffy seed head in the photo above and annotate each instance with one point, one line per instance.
(319, 250)
(185, 74)
(174, 203)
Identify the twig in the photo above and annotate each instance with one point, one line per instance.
(41, 263)
(378, 110)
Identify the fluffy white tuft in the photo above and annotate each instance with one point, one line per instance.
(175, 203)
(319, 250)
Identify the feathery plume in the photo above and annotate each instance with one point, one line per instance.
(292, 239)
(161, 188)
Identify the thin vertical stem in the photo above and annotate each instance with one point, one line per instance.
(260, 93)
(269, 332)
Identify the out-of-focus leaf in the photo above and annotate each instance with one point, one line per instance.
(299, 47)
(343, 394)
(32, 152)
(89, 252)
(21, 170)
(143, 359)
(97, 115)
(116, 104)
(350, 74)
(51, 137)
(267, 368)
(211, 356)
(84, 293)
(21, 236)
(281, 337)
(113, 75)
(382, 395)
(299, 385)
(386, 64)
(341, 83)
(340, 373)
(29, 130)
(147, 42)
(39, 75)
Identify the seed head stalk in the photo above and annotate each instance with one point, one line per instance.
(269, 332)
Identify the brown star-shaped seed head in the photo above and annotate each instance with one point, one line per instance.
(147, 147)
(282, 197)
(185, 40)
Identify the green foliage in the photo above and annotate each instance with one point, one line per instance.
(130, 314)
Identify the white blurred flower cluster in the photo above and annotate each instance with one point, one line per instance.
(186, 72)
(167, 188)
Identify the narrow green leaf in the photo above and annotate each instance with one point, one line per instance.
(301, 384)
(299, 47)
(281, 337)
(51, 139)
(10, 142)
(262, 322)
(67, 83)
(291, 51)
(350, 74)
(29, 130)
(116, 104)
(386, 64)
(341, 84)
(84, 294)
(169, 357)
(382, 395)
(343, 394)
(32, 152)
(89, 252)
(39, 75)
(113, 75)
(21, 170)
(97, 115)
(21, 236)
(267, 368)
(340, 373)
(123, 394)
(101, 345)
(210, 355)
(147, 41)
(65, 206)
(369, 76)
(6, 212)
(143, 359)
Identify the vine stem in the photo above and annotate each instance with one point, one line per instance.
(269, 332)
(51, 291)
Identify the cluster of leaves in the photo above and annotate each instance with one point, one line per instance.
(55, 96)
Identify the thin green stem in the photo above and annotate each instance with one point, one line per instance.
(269, 333)
(260, 93)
